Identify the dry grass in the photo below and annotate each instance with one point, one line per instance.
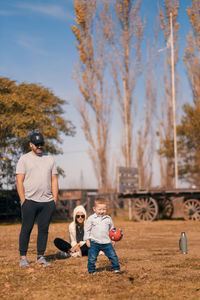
(152, 265)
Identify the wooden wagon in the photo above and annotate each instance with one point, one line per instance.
(148, 205)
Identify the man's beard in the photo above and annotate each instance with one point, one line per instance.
(35, 151)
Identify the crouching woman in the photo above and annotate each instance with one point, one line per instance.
(76, 247)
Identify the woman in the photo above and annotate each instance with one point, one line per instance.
(77, 247)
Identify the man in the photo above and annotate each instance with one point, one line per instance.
(37, 186)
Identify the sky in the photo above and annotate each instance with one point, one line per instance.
(37, 46)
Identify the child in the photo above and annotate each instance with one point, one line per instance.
(97, 237)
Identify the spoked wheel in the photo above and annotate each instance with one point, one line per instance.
(191, 210)
(145, 209)
(166, 208)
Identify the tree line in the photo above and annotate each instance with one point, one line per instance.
(109, 39)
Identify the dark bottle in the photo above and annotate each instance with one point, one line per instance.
(183, 243)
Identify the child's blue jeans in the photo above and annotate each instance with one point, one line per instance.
(109, 251)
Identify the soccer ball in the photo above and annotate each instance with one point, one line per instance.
(116, 234)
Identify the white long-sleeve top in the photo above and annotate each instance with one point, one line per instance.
(72, 226)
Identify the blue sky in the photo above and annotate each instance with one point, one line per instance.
(38, 46)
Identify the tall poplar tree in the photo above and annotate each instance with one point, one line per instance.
(124, 33)
(166, 121)
(94, 105)
(146, 134)
(189, 129)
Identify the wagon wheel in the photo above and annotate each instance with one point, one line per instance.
(166, 208)
(145, 209)
(191, 210)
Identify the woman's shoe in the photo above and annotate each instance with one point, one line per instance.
(76, 254)
(64, 254)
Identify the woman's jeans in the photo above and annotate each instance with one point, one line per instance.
(32, 210)
(109, 252)
(65, 246)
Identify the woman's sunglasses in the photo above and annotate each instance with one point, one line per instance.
(80, 216)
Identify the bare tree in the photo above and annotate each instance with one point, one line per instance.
(146, 134)
(166, 120)
(188, 130)
(192, 53)
(94, 106)
(124, 33)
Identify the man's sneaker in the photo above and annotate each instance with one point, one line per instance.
(64, 254)
(42, 262)
(23, 262)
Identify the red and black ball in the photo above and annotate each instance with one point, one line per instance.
(116, 234)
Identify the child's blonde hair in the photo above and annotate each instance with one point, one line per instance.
(100, 201)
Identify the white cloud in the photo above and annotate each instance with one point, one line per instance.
(55, 11)
(7, 13)
(32, 44)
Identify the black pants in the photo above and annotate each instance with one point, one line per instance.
(65, 246)
(31, 210)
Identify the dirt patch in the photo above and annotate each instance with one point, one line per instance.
(152, 266)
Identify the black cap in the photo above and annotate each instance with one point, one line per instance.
(36, 139)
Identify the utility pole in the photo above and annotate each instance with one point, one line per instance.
(127, 156)
(173, 102)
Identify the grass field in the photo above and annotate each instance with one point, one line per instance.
(152, 266)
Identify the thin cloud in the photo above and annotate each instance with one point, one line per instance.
(29, 44)
(7, 13)
(54, 11)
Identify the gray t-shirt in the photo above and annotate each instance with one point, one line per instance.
(38, 172)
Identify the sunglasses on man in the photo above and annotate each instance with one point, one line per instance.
(80, 216)
(39, 145)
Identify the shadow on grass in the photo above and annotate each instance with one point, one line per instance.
(101, 269)
(56, 256)
(108, 269)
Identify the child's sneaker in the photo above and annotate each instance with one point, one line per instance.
(116, 271)
(23, 262)
(41, 261)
